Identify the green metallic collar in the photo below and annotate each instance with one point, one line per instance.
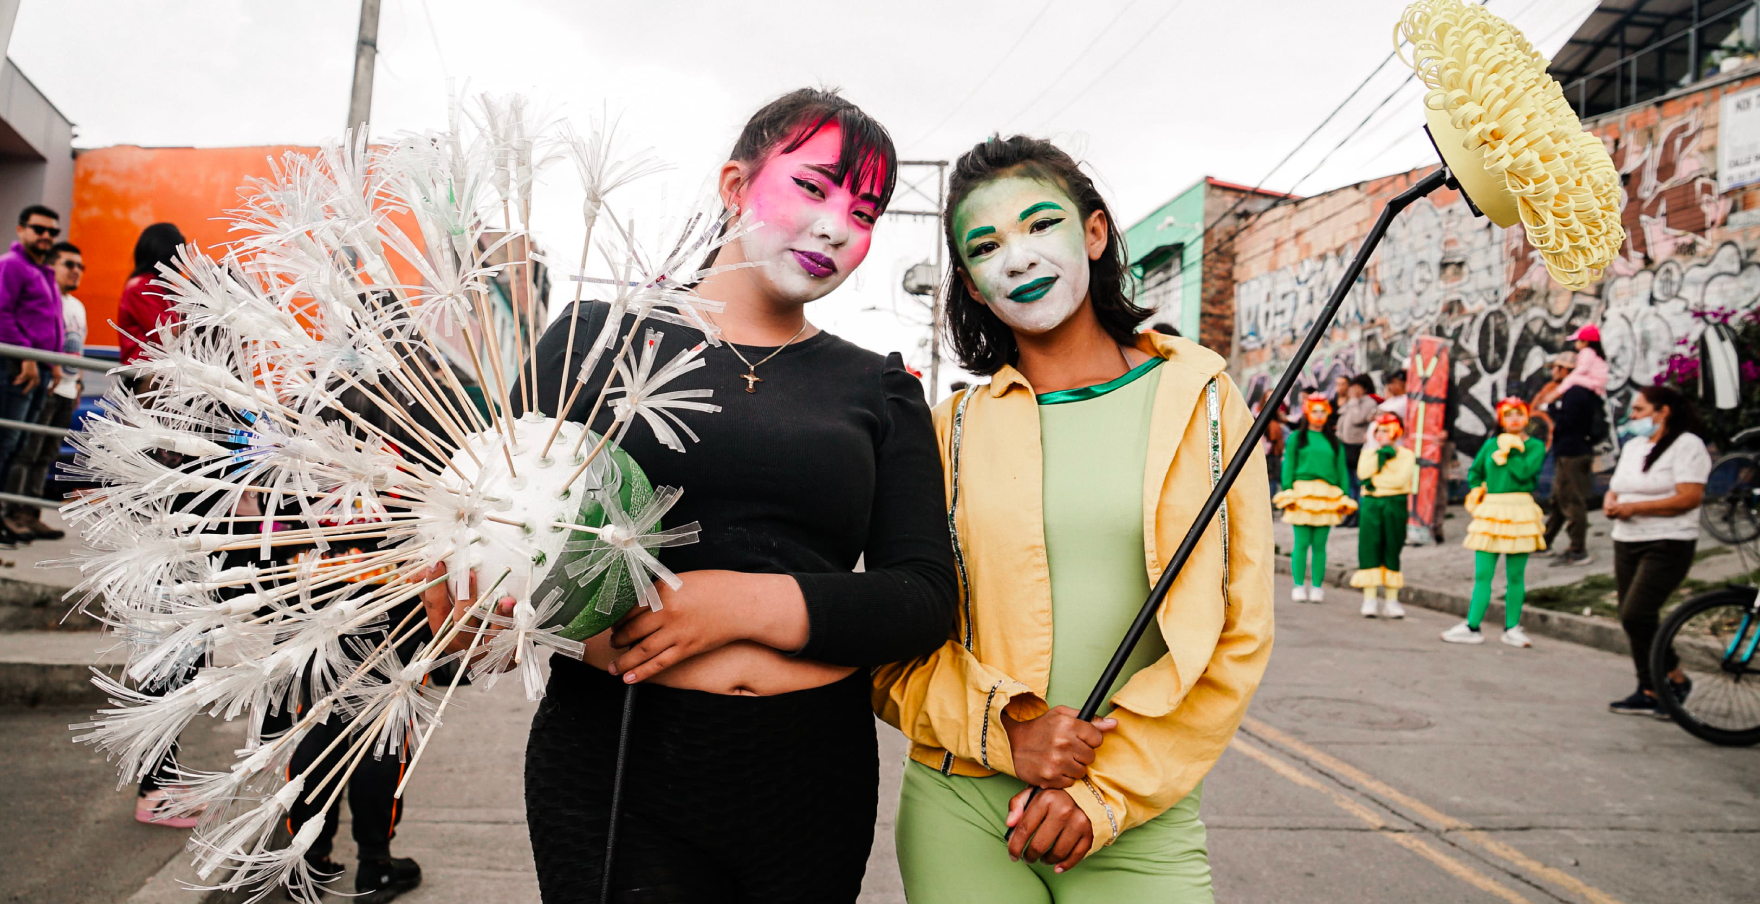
(1096, 391)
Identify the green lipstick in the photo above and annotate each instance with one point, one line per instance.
(1033, 291)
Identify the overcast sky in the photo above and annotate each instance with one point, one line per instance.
(1151, 94)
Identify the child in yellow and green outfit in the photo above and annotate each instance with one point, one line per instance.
(1386, 470)
(1506, 522)
(1313, 497)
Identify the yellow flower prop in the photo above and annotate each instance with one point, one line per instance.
(1509, 137)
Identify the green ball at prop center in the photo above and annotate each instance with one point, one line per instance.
(611, 590)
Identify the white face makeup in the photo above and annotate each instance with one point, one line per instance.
(1024, 249)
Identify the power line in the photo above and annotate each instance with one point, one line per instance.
(1121, 58)
(1210, 249)
(1353, 132)
(993, 70)
(1072, 63)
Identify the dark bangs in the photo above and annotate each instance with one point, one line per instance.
(866, 155)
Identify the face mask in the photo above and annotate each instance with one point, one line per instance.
(815, 232)
(1643, 429)
(1025, 251)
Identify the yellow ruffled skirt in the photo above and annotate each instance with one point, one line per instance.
(1377, 577)
(1314, 503)
(1504, 523)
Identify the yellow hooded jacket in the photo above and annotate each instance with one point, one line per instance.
(1176, 715)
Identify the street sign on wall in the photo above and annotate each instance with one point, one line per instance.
(1738, 140)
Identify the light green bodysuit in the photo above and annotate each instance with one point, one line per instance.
(950, 828)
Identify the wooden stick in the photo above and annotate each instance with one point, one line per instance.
(573, 319)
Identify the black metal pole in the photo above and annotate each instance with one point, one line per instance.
(629, 708)
(1249, 444)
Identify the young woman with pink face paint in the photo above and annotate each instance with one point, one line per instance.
(752, 765)
(1072, 476)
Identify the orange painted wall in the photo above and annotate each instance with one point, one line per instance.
(118, 191)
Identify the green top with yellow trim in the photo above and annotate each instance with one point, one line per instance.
(1520, 472)
(1310, 455)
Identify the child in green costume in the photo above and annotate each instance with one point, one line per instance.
(1506, 521)
(1386, 470)
(1313, 497)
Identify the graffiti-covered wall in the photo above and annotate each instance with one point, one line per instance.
(1443, 272)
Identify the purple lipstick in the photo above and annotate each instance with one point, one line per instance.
(816, 264)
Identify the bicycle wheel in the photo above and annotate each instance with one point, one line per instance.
(1713, 639)
(1731, 508)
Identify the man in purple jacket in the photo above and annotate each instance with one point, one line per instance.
(30, 315)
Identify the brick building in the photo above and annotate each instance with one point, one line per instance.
(1184, 271)
(1689, 156)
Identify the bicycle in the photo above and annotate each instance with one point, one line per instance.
(1714, 637)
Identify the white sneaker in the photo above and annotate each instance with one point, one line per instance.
(1516, 637)
(1462, 634)
(1315, 594)
(1298, 594)
(1370, 606)
(1390, 608)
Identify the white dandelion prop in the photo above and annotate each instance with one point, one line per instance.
(348, 401)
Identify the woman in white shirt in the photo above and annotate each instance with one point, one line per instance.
(1654, 503)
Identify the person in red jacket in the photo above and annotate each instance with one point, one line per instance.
(144, 309)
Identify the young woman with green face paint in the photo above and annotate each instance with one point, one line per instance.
(1071, 477)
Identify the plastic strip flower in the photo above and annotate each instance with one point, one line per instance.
(622, 550)
(1489, 87)
(640, 393)
(518, 641)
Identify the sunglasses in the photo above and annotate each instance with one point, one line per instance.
(73, 265)
(50, 231)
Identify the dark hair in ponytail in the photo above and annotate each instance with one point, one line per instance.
(1682, 418)
(1596, 345)
(981, 341)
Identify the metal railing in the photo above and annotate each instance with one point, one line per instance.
(64, 360)
(61, 360)
(1670, 67)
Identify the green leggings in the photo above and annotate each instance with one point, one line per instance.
(1309, 540)
(1515, 573)
(950, 850)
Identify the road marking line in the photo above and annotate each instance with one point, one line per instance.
(1406, 840)
(1440, 819)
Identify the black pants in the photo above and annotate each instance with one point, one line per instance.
(373, 811)
(29, 474)
(725, 799)
(1572, 475)
(371, 807)
(1646, 574)
(16, 404)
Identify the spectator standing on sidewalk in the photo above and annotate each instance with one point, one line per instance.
(143, 309)
(30, 472)
(1355, 416)
(30, 316)
(1395, 402)
(1578, 421)
(1654, 503)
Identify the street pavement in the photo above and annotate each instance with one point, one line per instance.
(1377, 765)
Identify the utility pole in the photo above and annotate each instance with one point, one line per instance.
(366, 50)
(913, 174)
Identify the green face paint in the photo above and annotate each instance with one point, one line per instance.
(1025, 250)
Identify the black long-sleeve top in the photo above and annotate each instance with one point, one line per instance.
(831, 459)
(1573, 418)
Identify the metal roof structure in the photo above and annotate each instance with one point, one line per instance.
(1631, 51)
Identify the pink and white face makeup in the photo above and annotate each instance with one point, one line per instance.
(815, 231)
